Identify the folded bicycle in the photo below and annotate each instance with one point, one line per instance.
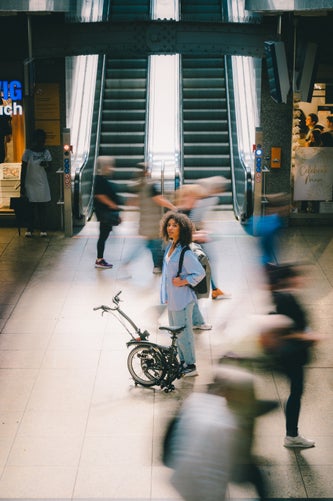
(150, 364)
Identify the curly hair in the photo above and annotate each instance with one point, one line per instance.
(185, 227)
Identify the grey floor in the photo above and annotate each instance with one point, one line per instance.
(72, 423)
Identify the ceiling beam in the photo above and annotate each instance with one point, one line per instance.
(128, 39)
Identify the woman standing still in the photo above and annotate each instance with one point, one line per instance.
(34, 182)
(176, 293)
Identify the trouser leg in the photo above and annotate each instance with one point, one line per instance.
(295, 373)
(104, 232)
(185, 341)
(198, 319)
(155, 247)
(42, 215)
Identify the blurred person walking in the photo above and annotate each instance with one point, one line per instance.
(176, 291)
(211, 439)
(107, 205)
(290, 349)
(268, 227)
(34, 182)
(151, 203)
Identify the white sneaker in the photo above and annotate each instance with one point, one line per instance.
(43, 234)
(190, 370)
(298, 441)
(202, 327)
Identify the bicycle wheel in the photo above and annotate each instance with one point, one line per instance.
(146, 365)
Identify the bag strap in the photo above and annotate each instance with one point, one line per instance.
(181, 259)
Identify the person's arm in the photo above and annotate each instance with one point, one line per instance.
(160, 199)
(46, 162)
(164, 202)
(192, 272)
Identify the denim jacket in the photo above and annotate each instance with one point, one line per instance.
(177, 298)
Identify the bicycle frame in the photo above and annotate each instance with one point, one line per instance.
(142, 335)
(149, 363)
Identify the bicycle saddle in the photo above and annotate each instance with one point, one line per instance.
(174, 330)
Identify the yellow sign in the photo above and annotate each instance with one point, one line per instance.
(52, 129)
(47, 102)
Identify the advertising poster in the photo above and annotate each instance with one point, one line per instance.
(313, 174)
(47, 111)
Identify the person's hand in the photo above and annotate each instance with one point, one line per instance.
(179, 282)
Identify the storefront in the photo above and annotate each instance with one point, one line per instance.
(312, 172)
(12, 137)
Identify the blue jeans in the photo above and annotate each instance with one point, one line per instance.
(185, 341)
(197, 318)
(155, 247)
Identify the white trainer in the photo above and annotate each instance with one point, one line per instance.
(298, 441)
(202, 327)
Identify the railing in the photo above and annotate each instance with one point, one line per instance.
(84, 82)
(84, 164)
(165, 169)
(241, 173)
(244, 77)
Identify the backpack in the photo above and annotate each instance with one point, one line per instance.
(203, 287)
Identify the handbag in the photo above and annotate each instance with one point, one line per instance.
(20, 205)
(108, 216)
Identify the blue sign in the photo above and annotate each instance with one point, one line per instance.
(11, 90)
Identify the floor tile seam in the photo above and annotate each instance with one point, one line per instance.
(84, 434)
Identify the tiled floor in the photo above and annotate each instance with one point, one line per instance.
(73, 425)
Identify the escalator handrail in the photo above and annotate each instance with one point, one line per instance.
(244, 212)
(77, 185)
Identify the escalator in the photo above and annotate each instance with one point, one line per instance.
(123, 116)
(201, 10)
(205, 128)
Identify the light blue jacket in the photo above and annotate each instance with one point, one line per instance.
(177, 298)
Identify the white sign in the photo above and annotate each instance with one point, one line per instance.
(313, 174)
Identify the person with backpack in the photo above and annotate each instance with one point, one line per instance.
(177, 290)
(202, 288)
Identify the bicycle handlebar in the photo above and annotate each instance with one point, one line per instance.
(106, 308)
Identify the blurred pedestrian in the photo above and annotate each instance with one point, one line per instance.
(176, 230)
(107, 205)
(291, 349)
(34, 183)
(150, 202)
(211, 441)
(268, 227)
